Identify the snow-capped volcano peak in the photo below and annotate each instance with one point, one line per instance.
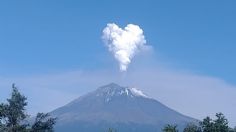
(116, 90)
(123, 108)
(137, 92)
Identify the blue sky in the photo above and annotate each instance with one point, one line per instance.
(42, 40)
(50, 36)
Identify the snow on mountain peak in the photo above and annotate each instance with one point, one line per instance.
(113, 89)
(137, 92)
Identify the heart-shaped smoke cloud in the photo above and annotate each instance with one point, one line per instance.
(123, 43)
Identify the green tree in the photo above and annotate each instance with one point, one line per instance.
(111, 130)
(170, 128)
(13, 112)
(13, 116)
(192, 128)
(221, 123)
(43, 122)
(207, 125)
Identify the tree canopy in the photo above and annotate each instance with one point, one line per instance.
(191, 127)
(220, 124)
(170, 128)
(13, 116)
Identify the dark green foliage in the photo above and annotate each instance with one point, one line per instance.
(207, 125)
(170, 128)
(220, 124)
(43, 122)
(192, 128)
(13, 115)
(111, 130)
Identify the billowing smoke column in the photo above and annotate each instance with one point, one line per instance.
(123, 43)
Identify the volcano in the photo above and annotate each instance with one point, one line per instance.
(124, 109)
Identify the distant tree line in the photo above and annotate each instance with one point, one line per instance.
(220, 124)
(13, 116)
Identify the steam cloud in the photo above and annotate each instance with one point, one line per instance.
(123, 43)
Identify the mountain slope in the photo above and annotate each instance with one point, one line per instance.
(122, 108)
